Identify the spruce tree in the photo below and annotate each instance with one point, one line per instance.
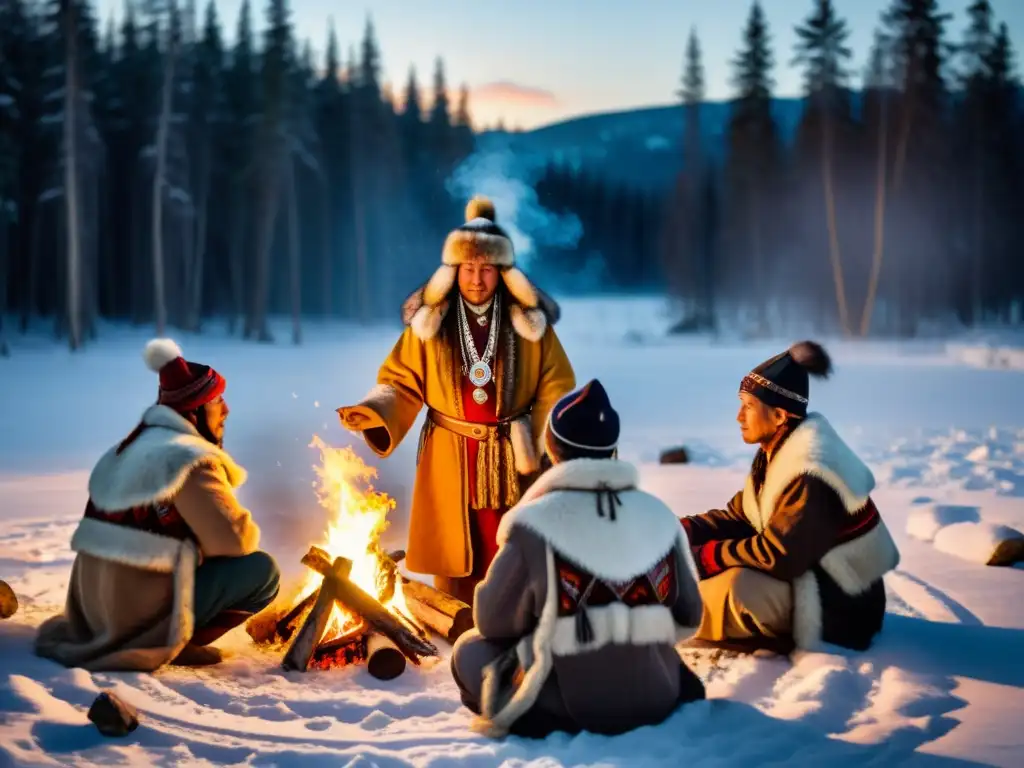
(753, 171)
(824, 138)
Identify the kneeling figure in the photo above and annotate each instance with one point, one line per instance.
(593, 582)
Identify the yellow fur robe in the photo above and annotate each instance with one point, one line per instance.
(532, 372)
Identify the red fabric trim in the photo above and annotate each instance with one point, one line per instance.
(709, 562)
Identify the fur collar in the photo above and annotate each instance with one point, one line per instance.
(155, 466)
(814, 448)
(559, 509)
(531, 310)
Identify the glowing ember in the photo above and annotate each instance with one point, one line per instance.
(359, 518)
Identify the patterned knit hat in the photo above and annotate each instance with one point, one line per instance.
(783, 381)
(583, 424)
(184, 386)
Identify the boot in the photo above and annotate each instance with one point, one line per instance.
(219, 626)
(197, 656)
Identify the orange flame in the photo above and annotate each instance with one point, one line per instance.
(359, 518)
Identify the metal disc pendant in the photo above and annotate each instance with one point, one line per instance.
(479, 396)
(481, 319)
(480, 374)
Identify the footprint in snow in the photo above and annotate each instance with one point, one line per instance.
(318, 725)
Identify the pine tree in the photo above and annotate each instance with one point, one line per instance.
(821, 49)
(687, 263)
(243, 100)
(920, 183)
(275, 76)
(753, 168)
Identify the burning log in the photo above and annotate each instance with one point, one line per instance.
(443, 614)
(384, 659)
(355, 600)
(446, 615)
(312, 630)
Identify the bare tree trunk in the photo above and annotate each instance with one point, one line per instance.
(358, 213)
(978, 257)
(756, 252)
(235, 254)
(834, 252)
(327, 242)
(880, 203)
(199, 249)
(163, 129)
(293, 252)
(71, 188)
(4, 246)
(270, 200)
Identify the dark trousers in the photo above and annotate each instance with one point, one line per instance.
(247, 583)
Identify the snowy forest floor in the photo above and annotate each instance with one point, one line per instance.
(943, 684)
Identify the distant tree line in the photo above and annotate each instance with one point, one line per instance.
(895, 206)
(154, 174)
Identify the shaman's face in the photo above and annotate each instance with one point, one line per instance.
(758, 422)
(478, 281)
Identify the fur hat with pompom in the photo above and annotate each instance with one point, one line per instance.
(784, 380)
(184, 386)
(479, 239)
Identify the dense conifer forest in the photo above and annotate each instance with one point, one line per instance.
(152, 173)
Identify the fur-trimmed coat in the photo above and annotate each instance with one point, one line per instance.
(811, 522)
(129, 602)
(582, 519)
(531, 373)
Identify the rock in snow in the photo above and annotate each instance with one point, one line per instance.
(112, 716)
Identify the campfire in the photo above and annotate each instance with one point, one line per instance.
(354, 606)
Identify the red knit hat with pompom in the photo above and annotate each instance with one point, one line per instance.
(184, 386)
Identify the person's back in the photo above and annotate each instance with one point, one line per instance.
(166, 558)
(578, 617)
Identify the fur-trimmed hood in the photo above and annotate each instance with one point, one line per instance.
(155, 466)
(559, 509)
(531, 310)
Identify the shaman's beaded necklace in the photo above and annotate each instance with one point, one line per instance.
(479, 367)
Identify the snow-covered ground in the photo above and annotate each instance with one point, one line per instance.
(943, 685)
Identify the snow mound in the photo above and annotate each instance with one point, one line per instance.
(923, 524)
(987, 355)
(992, 459)
(974, 542)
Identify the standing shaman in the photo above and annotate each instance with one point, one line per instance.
(480, 352)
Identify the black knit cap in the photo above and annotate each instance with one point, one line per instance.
(583, 424)
(784, 380)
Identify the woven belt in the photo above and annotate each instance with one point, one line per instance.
(497, 482)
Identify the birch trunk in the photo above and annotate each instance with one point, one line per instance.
(4, 245)
(293, 252)
(880, 203)
(73, 237)
(235, 254)
(163, 129)
(326, 243)
(834, 252)
(269, 196)
(195, 287)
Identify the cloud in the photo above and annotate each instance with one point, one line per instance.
(507, 92)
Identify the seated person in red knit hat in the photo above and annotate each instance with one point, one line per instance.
(579, 613)
(797, 557)
(166, 558)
